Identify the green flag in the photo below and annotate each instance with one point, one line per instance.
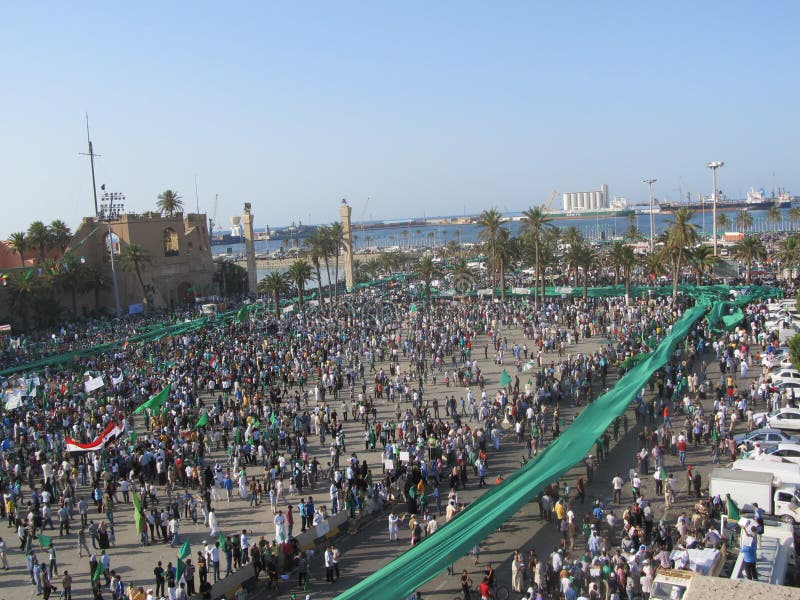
(223, 543)
(45, 540)
(733, 510)
(154, 402)
(185, 551)
(505, 378)
(138, 517)
(242, 314)
(202, 421)
(180, 567)
(98, 571)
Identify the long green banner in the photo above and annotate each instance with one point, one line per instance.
(429, 558)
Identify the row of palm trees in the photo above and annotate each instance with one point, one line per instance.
(542, 246)
(41, 238)
(32, 294)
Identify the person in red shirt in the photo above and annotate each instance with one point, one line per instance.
(484, 590)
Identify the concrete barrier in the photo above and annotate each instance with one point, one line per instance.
(228, 586)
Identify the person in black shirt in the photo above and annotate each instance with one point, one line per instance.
(158, 571)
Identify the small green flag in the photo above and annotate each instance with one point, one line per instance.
(179, 570)
(45, 540)
(185, 551)
(202, 421)
(223, 543)
(733, 510)
(154, 402)
(98, 571)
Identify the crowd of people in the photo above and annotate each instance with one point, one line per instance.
(261, 409)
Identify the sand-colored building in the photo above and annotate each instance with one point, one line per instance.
(179, 266)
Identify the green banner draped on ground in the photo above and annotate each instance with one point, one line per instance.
(430, 557)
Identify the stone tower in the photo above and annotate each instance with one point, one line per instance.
(347, 238)
(250, 250)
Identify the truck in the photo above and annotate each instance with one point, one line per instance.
(775, 553)
(756, 487)
(783, 473)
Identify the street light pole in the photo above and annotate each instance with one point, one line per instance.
(714, 166)
(650, 183)
(108, 213)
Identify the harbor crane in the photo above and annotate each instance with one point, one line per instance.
(549, 205)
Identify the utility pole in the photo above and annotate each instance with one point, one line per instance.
(714, 166)
(650, 183)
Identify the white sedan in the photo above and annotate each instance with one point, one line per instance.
(784, 375)
(787, 451)
(774, 358)
(785, 418)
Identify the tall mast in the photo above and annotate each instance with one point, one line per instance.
(91, 156)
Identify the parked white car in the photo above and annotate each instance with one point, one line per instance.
(787, 451)
(774, 358)
(783, 375)
(785, 418)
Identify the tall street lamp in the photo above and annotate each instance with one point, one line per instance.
(111, 208)
(650, 183)
(714, 166)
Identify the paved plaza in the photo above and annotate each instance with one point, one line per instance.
(369, 549)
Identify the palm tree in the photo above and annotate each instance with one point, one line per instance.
(632, 234)
(463, 276)
(774, 217)
(316, 246)
(275, 285)
(702, 260)
(571, 236)
(427, 270)
(794, 215)
(96, 281)
(22, 287)
(39, 238)
(615, 258)
(655, 264)
(680, 236)
(71, 276)
(750, 250)
(490, 223)
(19, 244)
(582, 256)
(534, 222)
(505, 252)
(300, 273)
(627, 260)
(789, 255)
(169, 203)
(60, 235)
(723, 221)
(744, 220)
(135, 258)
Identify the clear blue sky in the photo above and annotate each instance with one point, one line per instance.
(425, 107)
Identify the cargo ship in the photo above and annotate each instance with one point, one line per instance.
(755, 201)
(618, 207)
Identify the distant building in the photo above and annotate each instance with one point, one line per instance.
(585, 201)
(179, 266)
